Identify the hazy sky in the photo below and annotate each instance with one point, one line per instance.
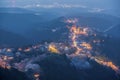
(96, 5)
(90, 3)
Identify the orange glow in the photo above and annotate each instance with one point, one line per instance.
(86, 45)
(108, 64)
(78, 31)
(52, 48)
(75, 32)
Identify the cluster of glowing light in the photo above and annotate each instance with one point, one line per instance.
(108, 64)
(75, 32)
(86, 45)
(80, 46)
(4, 64)
(52, 48)
(79, 31)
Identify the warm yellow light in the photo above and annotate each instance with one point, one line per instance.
(52, 48)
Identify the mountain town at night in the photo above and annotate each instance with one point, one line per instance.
(59, 40)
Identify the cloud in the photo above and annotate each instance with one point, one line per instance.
(96, 10)
(55, 5)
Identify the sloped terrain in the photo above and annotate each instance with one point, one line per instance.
(11, 39)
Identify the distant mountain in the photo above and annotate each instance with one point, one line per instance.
(9, 39)
(98, 21)
(33, 24)
(53, 30)
(14, 10)
(57, 27)
(20, 20)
